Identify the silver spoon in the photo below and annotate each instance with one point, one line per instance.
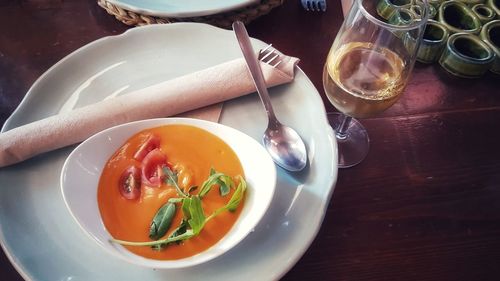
(282, 142)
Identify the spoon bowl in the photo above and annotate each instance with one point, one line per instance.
(285, 147)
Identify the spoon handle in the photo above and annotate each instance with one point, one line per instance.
(254, 67)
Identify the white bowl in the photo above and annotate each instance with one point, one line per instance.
(82, 169)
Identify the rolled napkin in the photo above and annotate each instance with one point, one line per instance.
(196, 90)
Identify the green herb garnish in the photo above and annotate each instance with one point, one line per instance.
(172, 179)
(235, 200)
(194, 217)
(162, 221)
(197, 216)
(181, 229)
(225, 183)
(212, 180)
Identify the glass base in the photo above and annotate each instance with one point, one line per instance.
(353, 146)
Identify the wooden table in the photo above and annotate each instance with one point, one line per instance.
(423, 205)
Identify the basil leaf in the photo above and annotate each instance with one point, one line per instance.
(224, 190)
(185, 208)
(162, 221)
(194, 216)
(225, 184)
(181, 229)
(207, 185)
(238, 195)
(197, 220)
(234, 202)
(172, 179)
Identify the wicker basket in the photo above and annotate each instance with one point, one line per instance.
(223, 20)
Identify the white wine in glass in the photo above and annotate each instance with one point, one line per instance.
(366, 72)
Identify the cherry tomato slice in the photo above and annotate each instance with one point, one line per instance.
(129, 184)
(152, 165)
(152, 142)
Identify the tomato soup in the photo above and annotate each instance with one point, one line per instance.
(191, 153)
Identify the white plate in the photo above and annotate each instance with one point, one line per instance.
(43, 241)
(79, 182)
(181, 8)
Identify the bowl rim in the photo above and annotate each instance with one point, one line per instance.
(120, 251)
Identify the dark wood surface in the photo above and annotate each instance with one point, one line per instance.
(423, 205)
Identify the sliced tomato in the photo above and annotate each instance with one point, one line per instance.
(152, 142)
(129, 184)
(152, 167)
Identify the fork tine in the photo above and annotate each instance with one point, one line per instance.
(310, 6)
(268, 51)
(314, 5)
(270, 61)
(322, 4)
(266, 48)
(267, 55)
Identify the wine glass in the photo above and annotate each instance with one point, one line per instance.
(367, 68)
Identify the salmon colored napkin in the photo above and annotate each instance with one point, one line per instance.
(186, 93)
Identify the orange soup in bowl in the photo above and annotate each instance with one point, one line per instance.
(171, 192)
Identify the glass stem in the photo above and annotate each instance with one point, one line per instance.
(341, 131)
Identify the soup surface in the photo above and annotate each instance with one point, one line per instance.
(190, 153)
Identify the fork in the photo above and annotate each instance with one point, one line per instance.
(314, 5)
(268, 55)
